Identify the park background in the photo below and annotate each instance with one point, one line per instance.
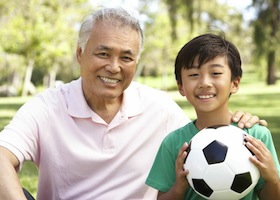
(38, 41)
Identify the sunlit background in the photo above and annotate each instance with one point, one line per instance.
(38, 41)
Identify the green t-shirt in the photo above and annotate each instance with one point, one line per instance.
(162, 175)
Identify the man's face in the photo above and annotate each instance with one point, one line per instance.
(108, 62)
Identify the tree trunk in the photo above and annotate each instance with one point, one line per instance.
(271, 76)
(27, 78)
(52, 75)
(274, 23)
(139, 70)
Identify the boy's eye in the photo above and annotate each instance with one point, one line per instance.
(217, 73)
(193, 75)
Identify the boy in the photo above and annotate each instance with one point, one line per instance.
(208, 70)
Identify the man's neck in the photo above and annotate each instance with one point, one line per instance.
(106, 109)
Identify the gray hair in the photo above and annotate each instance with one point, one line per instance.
(111, 16)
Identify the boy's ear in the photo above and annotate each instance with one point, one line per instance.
(180, 88)
(235, 85)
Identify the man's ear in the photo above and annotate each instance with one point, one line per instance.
(78, 54)
(235, 85)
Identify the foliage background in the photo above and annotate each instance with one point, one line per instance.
(38, 40)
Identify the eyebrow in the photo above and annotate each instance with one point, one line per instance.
(217, 65)
(102, 47)
(106, 48)
(211, 66)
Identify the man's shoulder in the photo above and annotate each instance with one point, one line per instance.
(60, 95)
(148, 92)
(141, 86)
(62, 89)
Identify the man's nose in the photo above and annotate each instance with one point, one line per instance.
(113, 66)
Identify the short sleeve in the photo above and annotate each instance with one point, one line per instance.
(162, 175)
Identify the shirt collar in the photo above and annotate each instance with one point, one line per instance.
(77, 105)
(132, 104)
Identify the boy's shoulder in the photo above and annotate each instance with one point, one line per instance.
(184, 133)
(256, 129)
(259, 132)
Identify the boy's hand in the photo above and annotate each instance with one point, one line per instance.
(181, 184)
(181, 180)
(263, 159)
(264, 162)
(247, 120)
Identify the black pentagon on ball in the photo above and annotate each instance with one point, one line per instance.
(245, 141)
(215, 152)
(201, 186)
(241, 182)
(188, 150)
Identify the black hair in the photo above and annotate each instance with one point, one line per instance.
(207, 47)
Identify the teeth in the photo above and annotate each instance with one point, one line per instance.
(205, 96)
(109, 80)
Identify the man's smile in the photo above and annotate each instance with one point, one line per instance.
(109, 80)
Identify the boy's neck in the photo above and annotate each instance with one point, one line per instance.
(205, 120)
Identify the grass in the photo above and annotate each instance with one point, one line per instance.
(254, 97)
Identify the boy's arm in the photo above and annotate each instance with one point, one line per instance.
(270, 191)
(10, 187)
(177, 192)
(265, 163)
(172, 194)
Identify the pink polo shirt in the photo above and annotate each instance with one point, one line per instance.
(79, 155)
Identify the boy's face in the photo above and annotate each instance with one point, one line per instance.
(209, 86)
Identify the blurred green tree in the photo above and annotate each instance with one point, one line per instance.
(267, 35)
(43, 32)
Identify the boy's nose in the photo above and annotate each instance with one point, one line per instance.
(205, 81)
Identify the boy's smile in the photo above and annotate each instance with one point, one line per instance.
(205, 96)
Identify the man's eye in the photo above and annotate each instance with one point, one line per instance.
(127, 59)
(102, 55)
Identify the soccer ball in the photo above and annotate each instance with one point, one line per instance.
(219, 165)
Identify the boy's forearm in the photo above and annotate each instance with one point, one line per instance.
(172, 194)
(10, 187)
(270, 191)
